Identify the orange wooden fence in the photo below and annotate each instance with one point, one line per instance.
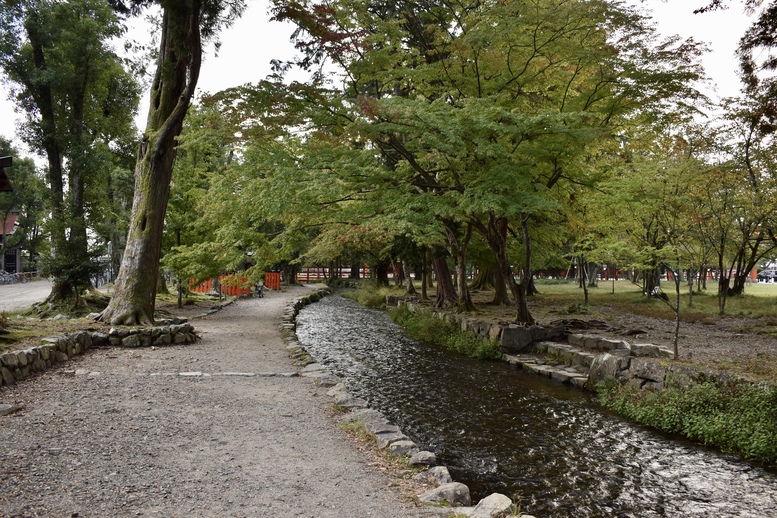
(272, 280)
(200, 287)
(232, 285)
(235, 286)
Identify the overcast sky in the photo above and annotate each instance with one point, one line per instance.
(253, 41)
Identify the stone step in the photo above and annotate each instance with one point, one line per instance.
(561, 373)
(566, 353)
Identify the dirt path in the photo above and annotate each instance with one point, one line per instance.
(127, 434)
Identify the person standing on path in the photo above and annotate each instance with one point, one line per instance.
(222, 427)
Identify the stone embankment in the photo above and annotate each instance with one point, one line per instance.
(581, 360)
(449, 496)
(18, 365)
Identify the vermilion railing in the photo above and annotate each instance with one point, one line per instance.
(232, 285)
(272, 280)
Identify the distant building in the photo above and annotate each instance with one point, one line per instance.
(11, 259)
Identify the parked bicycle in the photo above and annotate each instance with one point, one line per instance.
(11, 278)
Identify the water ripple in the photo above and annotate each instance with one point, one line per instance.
(500, 429)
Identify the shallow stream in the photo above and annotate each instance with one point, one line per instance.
(500, 429)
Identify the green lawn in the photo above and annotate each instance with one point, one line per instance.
(759, 300)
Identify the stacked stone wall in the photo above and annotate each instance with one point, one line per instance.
(645, 366)
(18, 365)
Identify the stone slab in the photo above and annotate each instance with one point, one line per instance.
(9, 409)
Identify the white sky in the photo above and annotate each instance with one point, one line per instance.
(249, 45)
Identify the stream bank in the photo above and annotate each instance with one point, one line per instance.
(501, 429)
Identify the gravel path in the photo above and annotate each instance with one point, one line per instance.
(23, 294)
(121, 432)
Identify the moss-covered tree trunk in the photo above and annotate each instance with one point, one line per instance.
(178, 67)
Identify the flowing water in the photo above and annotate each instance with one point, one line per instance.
(500, 429)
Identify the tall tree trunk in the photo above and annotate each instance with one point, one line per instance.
(425, 273)
(53, 148)
(409, 288)
(381, 272)
(651, 281)
(399, 274)
(723, 285)
(484, 278)
(458, 251)
(163, 283)
(178, 69)
(581, 266)
(78, 245)
(501, 296)
(355, 268)
(495, 232)
(527, 282)
(446, 294)
(677, 275)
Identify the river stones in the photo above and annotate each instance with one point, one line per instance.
(403, 448)
(363, 414)
(423, 458)
(436, 476)
(386, 439)
(454, 493)
(495, 504)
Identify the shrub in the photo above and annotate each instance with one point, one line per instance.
(369, 295)
(428, 328)
(739, 417)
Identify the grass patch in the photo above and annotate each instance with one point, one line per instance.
(25, 332)
(430, 329)
(738, 417)
(370, 296)
(758, 301)
(548, 282)
(761, 367)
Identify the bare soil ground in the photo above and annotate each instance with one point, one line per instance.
(736, 344)
(216, 428)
